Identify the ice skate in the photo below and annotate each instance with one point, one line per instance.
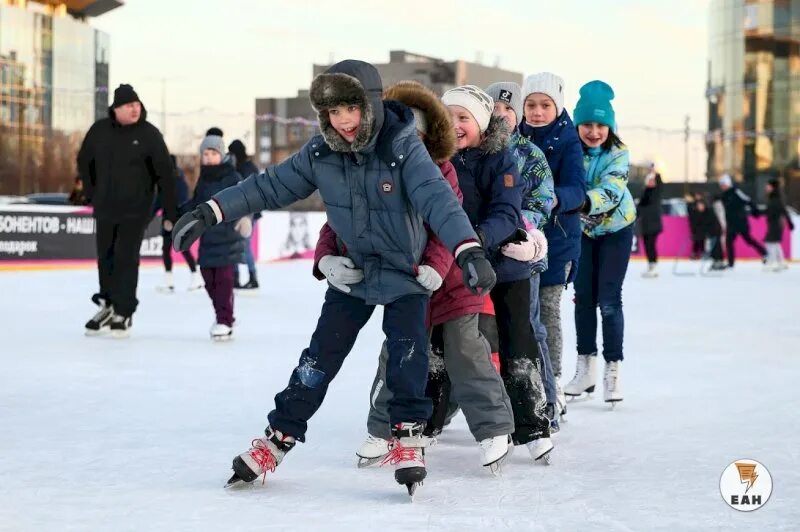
(540, 450)
(265, 454)
(372, 451)
(221, 332)
(100, 322)
(652, 271)
(120, 326)
(495, 451)
(197, 282)
(583, 381)
(252, 283)
(552, 415)
(561, 400)
(168, 286)
(612, 384)
(407, 455)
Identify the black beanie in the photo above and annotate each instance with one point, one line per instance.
(124, 94)
(214, 132)
(238, 150)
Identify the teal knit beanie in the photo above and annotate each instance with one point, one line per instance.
(594, 105)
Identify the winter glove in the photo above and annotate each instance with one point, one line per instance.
(429, 278)
(340, 272)
(533, 248)
(244, 227)
(191, 225)
(478, 274)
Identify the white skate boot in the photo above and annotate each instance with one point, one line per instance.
(561, 400)
(540, 450)
(407, 455)
(495, 451)
(372, 451)
(197, 282)
(265, 454)
(221, 332)
(612, 384)
(583, 381)
(652, 271)
(168, 286)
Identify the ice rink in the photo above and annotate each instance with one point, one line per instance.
(101, 434)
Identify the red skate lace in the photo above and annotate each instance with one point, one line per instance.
(263, 457)
(398, 454)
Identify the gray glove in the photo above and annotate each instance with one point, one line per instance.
(340, 272)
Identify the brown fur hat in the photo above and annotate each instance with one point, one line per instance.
(440, 138)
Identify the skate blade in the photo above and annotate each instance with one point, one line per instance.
(164, 290)
(92, 333)
(580, 398)
(120, 335)
(225, 338)
(412, 488)
(613, 403)
(236, 482)
(364, 463)
(496, 467)
(545, 459)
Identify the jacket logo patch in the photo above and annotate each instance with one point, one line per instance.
(508, 181)
(387, 187)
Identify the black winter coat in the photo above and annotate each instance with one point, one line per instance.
(649, 209)
(776, 212)
(120, 167)
(736, 203)
(220, 245)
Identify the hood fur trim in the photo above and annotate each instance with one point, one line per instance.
(496, 136)
(440, 140)
(331, 90)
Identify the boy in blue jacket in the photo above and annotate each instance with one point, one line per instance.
(490, 182)
(548, 125)
(380, 187)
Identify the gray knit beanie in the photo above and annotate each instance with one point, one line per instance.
(509, 93)
(213, 142)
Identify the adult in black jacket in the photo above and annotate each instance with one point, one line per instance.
(736, 203)
(245, 168)
(649, 212)
(776, 213)
(121, 160)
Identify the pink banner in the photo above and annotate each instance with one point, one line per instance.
(676, 240)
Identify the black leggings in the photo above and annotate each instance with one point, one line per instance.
(650, 247)
(166, 253)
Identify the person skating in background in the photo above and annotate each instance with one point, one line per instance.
(246, 168)
(548, 125)
(698, 240)
(649, 214)
(708, 229)
(76, 195)
(538, 198)
(608, 216)
(489, 179)
(459, 353)
(379, 187)
(182, 196)
(776, 213)
(736, 204)
(121, 160)
(221, 246)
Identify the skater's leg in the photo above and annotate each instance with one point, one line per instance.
(340, 321)
(166, 250)
(248, 256)
(223, 294)
(104, 240)
(650, 248)
(586, 297)
(407, 366)
(548, 378)
(125, 277)
(476, 385)
(519, 360)
(753, 243)
(779, 258)
(378, 423)
(189, 258)
(614, 255)
(438, 387)
(209, 276)
(730, 238)
(716, 249)
(550, 312)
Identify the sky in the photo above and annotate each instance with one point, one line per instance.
(218, 57)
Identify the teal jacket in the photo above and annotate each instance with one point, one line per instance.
(607, 190)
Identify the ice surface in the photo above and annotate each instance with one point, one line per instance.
(138, 434)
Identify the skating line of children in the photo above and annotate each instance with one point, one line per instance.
(433, 205)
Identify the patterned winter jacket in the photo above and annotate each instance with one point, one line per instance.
(539, 195)
(607, 189)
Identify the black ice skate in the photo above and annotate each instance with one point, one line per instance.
(120, 326)
(408, 455)
(265, 454)
(99, 324)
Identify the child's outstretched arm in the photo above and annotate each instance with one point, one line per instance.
(611, 187)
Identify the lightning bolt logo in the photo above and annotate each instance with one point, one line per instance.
(747, 474)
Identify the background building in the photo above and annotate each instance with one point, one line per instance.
(53, 86)
(754, 92)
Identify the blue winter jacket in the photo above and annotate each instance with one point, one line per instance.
(490, 182)
(222, 244)
(561, 145)
(377, 201)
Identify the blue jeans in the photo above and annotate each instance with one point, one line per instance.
(540, 333)
(248, 251)
(341, 320)
(601, 271)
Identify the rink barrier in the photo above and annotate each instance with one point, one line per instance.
(63, 237)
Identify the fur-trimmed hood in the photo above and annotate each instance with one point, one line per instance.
(440, 138)
(349, 82)
(496, 135)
